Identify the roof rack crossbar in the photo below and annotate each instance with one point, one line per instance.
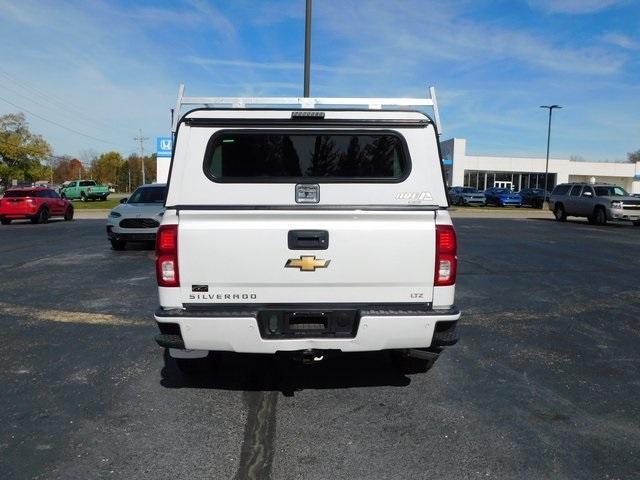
(304, 102)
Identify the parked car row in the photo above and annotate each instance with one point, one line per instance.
(500, 197)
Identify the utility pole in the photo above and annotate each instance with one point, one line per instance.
(546, 169)
(307, 49)
(142, 139)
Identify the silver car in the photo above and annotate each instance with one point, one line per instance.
(466, 196)
(597, 202)
(137, 218)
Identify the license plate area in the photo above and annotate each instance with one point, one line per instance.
(285, 323)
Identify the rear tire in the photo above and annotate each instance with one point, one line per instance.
(68, 215)
(194, 366)
(41, 217)
(410, 365)
(599, 216)
(636, 223)
(560, 213)
(118, 244)
(5, 221)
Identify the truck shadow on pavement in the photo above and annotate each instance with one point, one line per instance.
(268, 373)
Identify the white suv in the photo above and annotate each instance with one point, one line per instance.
(307, 231)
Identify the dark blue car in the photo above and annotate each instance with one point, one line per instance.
(501, 197)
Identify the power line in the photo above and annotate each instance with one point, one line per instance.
(53, 108)
(58, 124)
(25, 85)
(32, 150)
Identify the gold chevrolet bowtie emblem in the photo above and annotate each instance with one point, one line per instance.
(307, 263)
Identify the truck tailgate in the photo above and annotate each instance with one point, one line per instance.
(241, 256)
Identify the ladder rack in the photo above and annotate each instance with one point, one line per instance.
(304, 102)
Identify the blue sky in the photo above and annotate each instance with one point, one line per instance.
(105, 69)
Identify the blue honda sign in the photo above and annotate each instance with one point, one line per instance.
(163, 146)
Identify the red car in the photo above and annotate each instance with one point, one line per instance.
(38, 204)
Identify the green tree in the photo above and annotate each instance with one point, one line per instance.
(68, 168)
(21, 152)
(131, 172)
(106, 167)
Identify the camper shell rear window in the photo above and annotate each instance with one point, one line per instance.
(262, 156)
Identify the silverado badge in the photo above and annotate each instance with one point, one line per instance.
(307, 263)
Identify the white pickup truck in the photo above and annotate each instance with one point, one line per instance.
(306, 231)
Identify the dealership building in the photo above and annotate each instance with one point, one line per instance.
(482, 172)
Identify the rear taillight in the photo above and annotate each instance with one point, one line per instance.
(167, 256)
(446, 256)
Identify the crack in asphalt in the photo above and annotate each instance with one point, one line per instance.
(256, 454)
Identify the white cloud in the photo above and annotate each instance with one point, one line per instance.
(622, 41)
(576, 7)
(201, 61)
(405, 33)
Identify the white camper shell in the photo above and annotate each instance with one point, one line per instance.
(305, 230)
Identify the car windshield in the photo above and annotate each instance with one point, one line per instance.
(536, 191)
(149, 195)
(611, 191)
(502, 190)
(469, 190)
(19, 193)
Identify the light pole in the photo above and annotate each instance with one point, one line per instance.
(546, 168)
(142, 139)
(307, 49)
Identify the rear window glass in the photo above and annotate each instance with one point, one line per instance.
(19, 193)
(277, 156)
(87, 183)
(561, 190)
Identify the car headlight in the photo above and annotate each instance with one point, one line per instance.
(115, 214)
(616, 204)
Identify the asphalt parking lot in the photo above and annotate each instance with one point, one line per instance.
(544, 383)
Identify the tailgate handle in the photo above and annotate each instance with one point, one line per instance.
(308, 239)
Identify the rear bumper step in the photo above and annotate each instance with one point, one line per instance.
(170, 341)
(238, 329)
